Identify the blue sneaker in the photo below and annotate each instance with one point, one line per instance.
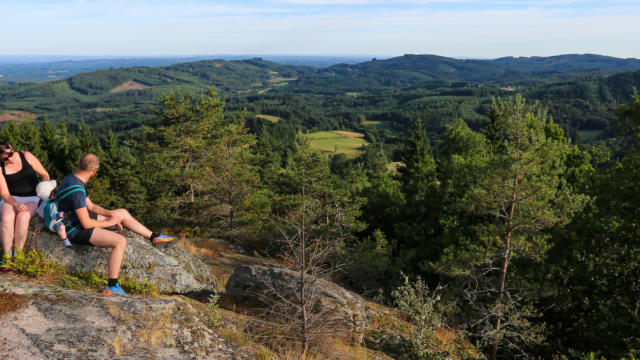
(113, 290)
(161, 240)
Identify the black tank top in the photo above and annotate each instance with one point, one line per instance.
(24, 182)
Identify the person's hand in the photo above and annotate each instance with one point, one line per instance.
(21, 207)
(116, 221)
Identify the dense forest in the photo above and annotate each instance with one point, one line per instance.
(511, 203)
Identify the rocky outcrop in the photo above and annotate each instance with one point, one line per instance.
(249, 283)
(45, 322)
(171, 270)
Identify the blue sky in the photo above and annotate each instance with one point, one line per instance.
(460, 28)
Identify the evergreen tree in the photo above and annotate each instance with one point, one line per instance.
(177, 150)
(29, 139)
(417, 232)
(373, 159)
(595, 260)
(202, 171)
(10, 133)
(232, 173)
(50, 145)
(334, 202)
(69, 151)
(524, 192)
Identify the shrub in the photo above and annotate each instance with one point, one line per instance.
(417, 302)
(34, 264)
(371, 265)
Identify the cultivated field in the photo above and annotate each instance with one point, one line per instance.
(15, 115)
(129, 85)
(337, 142)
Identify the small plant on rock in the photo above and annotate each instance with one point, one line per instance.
(34, 264)
(139, 288)
(215, 316)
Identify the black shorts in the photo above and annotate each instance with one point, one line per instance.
(81, 236)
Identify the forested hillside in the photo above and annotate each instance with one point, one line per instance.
(505, 213)
(571, 62)
(15, 69)
(378, 98)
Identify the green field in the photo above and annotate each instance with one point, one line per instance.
(381, 125)
(588, 135)
(272, 118)
(334, 143)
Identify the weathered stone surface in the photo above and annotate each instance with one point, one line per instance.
(172, 270)
(56, 323)
(248, 282)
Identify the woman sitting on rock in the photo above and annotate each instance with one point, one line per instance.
(18, 183)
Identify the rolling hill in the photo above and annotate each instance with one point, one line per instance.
(389, 93)
(414, 69)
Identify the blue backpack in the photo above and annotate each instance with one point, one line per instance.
(50, 213)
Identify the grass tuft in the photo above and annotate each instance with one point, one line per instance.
(34, 264)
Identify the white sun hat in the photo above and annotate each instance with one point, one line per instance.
(44, 189)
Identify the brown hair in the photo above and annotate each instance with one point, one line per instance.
(4, 147)
(89, 162)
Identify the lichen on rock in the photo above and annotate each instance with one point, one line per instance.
(57, 323)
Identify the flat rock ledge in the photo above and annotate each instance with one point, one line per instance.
(173, 270)
(47, 322)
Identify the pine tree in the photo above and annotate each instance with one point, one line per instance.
(51, 146)
(232, 173)
(523, 190)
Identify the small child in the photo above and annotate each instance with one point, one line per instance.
(48, 210)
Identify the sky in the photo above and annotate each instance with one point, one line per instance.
(456, 28)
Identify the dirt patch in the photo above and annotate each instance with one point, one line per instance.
(129, 85)
(8, 115)
(11, 302)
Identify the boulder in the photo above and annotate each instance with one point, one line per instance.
(46, 322)
(250, 283)
(171, 270)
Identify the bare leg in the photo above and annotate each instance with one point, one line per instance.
(8, 225)
(117, 243)
(22, 224)
(131, 223)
